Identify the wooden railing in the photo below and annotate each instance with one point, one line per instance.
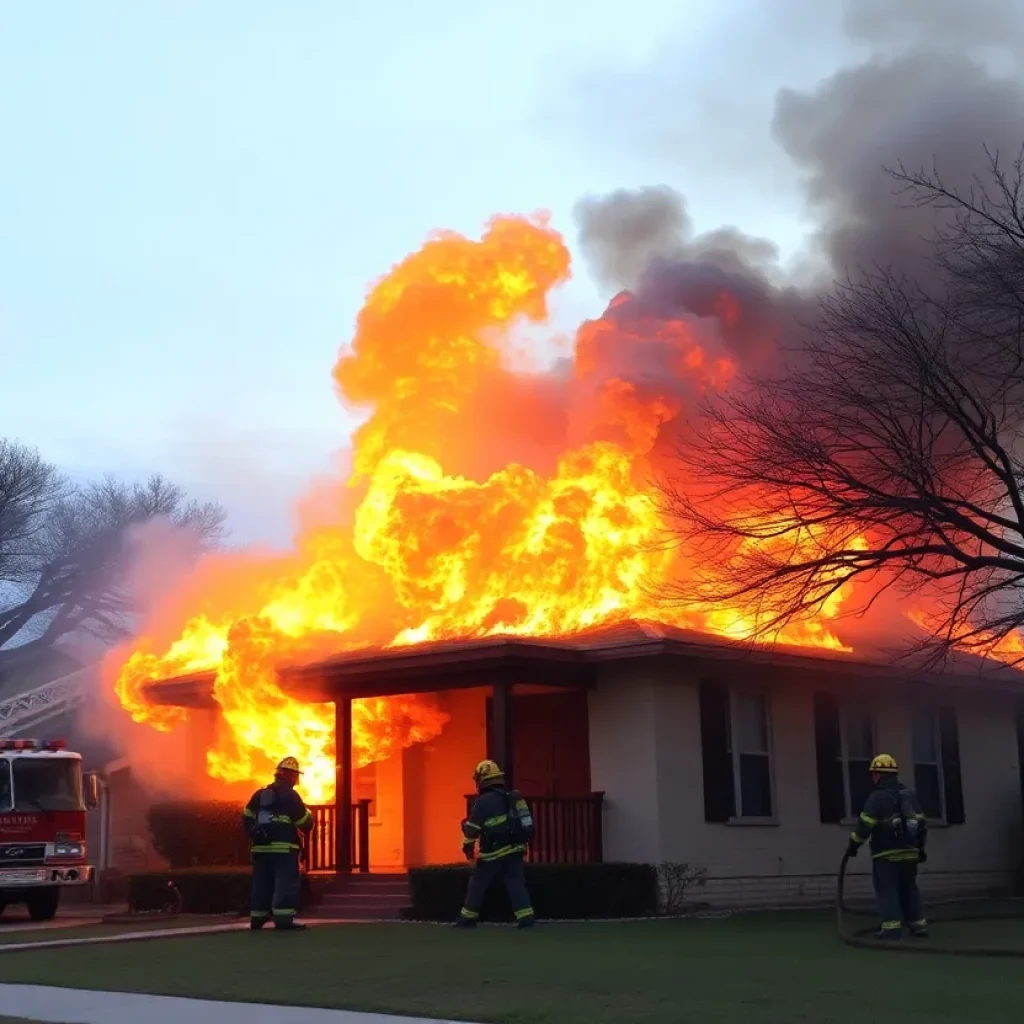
(567, 829)
(321, 847)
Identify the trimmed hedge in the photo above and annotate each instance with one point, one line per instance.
(566, 891)
(203, 890)
(199, 833)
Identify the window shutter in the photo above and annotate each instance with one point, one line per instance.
(1020, 756)
(828, 747)
(719, 789)
(950, 753)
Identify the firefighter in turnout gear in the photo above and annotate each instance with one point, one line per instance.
(892, 819)
(275, 819)
(502, 824)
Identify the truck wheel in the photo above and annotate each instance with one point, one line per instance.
(43, 903)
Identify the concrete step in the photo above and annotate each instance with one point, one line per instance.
(337, 899)
(371, 890)
(358, 908)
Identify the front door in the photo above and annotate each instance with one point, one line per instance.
(551, 743)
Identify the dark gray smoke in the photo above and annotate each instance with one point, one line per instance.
(942, 82)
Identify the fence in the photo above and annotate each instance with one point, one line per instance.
(322, 849)
(568, 829)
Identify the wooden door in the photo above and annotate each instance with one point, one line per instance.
(551, 743)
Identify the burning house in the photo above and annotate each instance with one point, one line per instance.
(487, 582)
(648, 744)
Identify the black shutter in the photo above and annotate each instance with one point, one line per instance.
(950, 753)
(1020, 756)
(828, 747)
(719, 789)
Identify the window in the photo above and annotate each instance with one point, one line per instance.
(42, 784)
(924, 744)
(935, 752)
(736, 742)
(364, 786)
(858, 748)
(844, 735)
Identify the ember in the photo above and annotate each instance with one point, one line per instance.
(490, 501)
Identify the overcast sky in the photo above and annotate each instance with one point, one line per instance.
(194, 195)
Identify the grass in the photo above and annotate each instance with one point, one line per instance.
(773, 969)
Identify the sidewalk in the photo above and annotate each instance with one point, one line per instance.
(74, 1006)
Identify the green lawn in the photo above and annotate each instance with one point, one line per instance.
(772, 969)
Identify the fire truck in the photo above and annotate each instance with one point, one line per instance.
(43, 800)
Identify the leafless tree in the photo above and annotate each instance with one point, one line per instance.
(889, 447)
(63, 553)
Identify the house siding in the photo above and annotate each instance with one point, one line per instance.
(646, 756)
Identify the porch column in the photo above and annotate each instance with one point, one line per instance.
(501, 729)
(343, 784)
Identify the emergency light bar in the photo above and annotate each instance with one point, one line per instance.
(32, 745)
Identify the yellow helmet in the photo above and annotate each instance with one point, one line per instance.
(487, 771)
(289, 764)
(884, 763)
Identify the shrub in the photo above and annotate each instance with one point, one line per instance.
(567, 891)
(202, 890)
(677, 882)
(195, 833)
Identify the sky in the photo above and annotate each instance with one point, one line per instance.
(195, 196)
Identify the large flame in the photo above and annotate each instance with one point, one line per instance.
(485, 500)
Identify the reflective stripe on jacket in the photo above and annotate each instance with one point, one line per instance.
(488, 823)
(881, 809)
(285, 814)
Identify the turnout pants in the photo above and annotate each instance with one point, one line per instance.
(275, 888)
(486, 872)
(899, 901)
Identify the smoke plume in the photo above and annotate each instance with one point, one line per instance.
(941, 84)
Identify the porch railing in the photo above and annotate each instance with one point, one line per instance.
(567, 829)
(321, 847)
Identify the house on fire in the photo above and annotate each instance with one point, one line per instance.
(644, 743)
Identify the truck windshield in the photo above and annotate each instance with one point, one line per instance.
(41, 784)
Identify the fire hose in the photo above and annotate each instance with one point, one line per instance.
(860, 938)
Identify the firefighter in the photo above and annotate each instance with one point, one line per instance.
(275, 819)
(502, 823)
(892, 819)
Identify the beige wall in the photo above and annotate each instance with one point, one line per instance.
(646, 755)
(387, 840)
(437, 777)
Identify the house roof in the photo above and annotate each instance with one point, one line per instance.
(572, 660)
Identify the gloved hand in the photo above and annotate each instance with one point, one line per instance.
(922, 856)
(467, 852)
(852, 849)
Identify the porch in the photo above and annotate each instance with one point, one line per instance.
(405, 811)
(522, 706)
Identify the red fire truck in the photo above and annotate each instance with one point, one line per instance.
(43, 800)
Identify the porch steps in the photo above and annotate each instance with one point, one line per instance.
(362, 898)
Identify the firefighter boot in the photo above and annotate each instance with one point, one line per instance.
(291, 926)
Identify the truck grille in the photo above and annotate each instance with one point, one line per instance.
(21, 854)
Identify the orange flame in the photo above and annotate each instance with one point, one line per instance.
(443, 542)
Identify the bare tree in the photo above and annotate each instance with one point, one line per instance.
(63, 548)
(889, 448)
